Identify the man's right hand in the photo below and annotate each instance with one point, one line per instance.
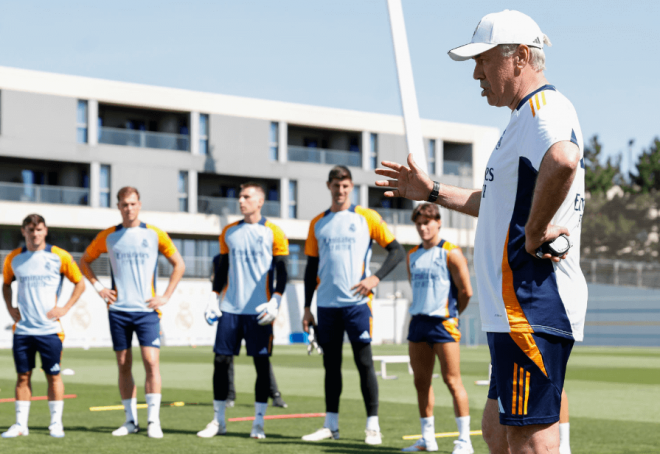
(410, 182)
(213, 312)
(15, 314)
(308, 320)
(108, 295)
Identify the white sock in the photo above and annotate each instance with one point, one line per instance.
(564, 438)
(130, 409)
(219, 411)
(22, 412)
(153, 407)
(260, 412)
(56, 408)
(372, 423)
(428, 428)
(463, 424)
(331, 421)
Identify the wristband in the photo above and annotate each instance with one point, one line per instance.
(433, 196)
(98, 287)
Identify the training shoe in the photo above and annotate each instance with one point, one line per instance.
(16, 431)
(279, 402)
(154, 430)
(56, 430)
(229, 403)
(212, 429)
(129, 427)
(422, 445)
(462, 447)
(257, 431)
(322, 434)
(373, 437)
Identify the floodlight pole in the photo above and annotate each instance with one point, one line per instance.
(406, 84)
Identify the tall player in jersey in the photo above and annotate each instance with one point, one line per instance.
(441, 287)
(251, 280)
(39, 269)
(338, 250)
(532, 308)
(133, 306)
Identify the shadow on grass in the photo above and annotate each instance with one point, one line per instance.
(336, 446)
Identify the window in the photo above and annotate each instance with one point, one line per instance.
(104, 186)
(293, 197)
(373, 150)
(431, 156)
(203, 134)
(355, 195)
(81, 121)
(273, 143)
(183, 191)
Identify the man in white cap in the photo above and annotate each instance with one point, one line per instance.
(532, 298)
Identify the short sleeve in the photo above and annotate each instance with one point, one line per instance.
(68, 268)
(98, 246)
(378, 230)
(224, 248)
(311, 244)
(7, 270)
(280, 241)
(165, 244)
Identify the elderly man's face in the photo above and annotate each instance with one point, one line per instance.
(496, 76)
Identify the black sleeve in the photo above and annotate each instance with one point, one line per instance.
(395, 255)
(221, 271)
(311, 272)
(281, 273)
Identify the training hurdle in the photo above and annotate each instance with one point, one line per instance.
(393, 359)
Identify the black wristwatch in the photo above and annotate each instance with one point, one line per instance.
(435, 192)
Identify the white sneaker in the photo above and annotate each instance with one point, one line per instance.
(212, 429)
(129, 427)
(154, 430)
(16, 431)
(56, 430)
(322, 434)
(257, 431)
(462, 447)
(373, 437)
(422, 445)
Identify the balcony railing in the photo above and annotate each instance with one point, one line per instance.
(34, 193)
(456, 168)
(226, 206)
(395, 215)
(324, 156)
(143, 139)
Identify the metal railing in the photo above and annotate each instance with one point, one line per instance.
(226, 206)
(35, 193)
(324, 156)
(450, 219)
(143, 139)
(395, 215)
(619, 272)
(456, 168)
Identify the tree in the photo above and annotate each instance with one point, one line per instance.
(647, 179)
(598, 178)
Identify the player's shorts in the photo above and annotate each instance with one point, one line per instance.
(524, 392)
(123, 324)
(232, 328)
(25, 350)
(433, 330)
(356, 320)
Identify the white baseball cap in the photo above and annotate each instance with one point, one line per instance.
(506, 27)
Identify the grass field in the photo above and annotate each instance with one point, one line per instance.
(614, 398)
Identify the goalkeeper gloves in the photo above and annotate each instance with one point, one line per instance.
(213, 312)
(268, 311)
(313, 343)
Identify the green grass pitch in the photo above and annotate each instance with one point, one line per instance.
(613, 392)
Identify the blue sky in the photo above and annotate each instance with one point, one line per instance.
(338, 53)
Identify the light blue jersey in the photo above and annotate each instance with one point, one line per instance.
(434, 291)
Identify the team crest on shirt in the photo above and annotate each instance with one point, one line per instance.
(499, 142)
(47, 266)
(260, 240)
(437, 261)
(145, 243)
(352, 228)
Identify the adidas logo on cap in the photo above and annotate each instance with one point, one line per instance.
(55, 368)
(365, 335)
(537, 40)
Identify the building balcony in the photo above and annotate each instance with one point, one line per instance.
(395, 216)
(227, 206)
(457, 168)
(324, 156)
(19, 192)
(143, 139)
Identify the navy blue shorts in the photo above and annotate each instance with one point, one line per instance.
(433, 330)
(232, 328)
(528, 376)
(25, 351)
(357, 321)
(123, 324)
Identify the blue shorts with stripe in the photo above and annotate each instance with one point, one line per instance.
(433, 330)
(356, 320)
(232, 328)
(25, 350)
(146, 325)
(528, 376)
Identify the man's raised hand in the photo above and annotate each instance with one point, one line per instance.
(410, 182)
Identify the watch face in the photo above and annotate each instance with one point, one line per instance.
(560, 245)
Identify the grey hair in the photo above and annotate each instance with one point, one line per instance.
(537, 56)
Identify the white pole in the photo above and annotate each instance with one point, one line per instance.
(406, 84)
